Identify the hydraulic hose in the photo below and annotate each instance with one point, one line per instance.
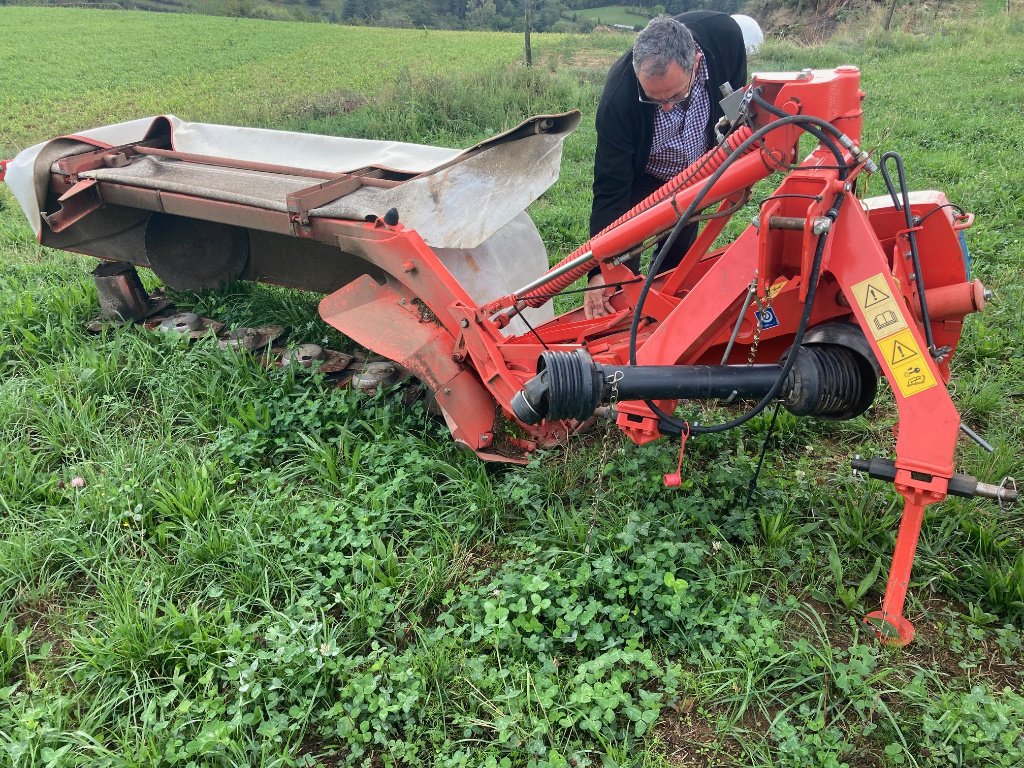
(696, 172)
(814, 130)
(803, 121)
(902, 203)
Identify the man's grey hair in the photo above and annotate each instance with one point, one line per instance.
(661, 42)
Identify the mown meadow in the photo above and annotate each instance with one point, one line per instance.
(206, 563)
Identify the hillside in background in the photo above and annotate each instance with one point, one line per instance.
(809, 20)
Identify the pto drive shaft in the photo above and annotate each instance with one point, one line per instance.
(828, 381)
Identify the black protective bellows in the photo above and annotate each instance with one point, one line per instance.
(828, 381)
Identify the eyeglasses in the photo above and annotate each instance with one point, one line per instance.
(682, 100)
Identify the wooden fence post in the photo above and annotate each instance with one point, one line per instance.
(526, 36)
(888, 15)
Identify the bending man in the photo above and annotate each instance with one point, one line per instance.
(657, 115)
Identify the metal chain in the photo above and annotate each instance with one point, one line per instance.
(760, 304)
(613, 380)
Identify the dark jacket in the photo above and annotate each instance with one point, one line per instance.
(625, 127)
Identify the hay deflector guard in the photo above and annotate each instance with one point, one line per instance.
(825, 291)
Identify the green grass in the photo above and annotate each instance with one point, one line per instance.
(264, 570)
(614, 14)
(103, 66)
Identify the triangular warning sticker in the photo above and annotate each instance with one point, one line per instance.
(874, 296)
(901, 353)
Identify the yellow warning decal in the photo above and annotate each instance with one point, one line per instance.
(880, 308)
(776, 288)
(908, 366)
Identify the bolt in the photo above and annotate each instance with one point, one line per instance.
(464, 323)
(988, 295)
(447, 390)
(756, 221)
(402, 302)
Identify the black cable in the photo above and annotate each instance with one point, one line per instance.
(812, 290)
(519, 312)
(764, 449)
(816, 198)
(816, 127)
(616, 284)
(915, 256)
(804, 120)
(938, 208)
(798, 166)
(684, 219)
(767, 106)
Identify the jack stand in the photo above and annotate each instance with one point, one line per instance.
(890, 625)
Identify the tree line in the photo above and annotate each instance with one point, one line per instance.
(498, 15)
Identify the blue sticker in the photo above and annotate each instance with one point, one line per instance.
(767, 318)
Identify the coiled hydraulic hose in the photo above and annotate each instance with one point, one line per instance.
(692, 174)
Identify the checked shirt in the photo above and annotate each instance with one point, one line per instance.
(680, 134)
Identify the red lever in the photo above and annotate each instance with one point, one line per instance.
(675, 479)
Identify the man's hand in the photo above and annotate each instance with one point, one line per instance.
(595, 302)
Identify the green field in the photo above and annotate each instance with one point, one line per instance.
(614, 14)
(99, 67)
(259, 569)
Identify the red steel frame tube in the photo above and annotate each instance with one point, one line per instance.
(689, 177)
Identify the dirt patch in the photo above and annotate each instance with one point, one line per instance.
(689, 738)
(331, 103)
(590, 59)
(931, 649)
(692, 739)
(43, 617)
(835, 624)
(315, 749)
